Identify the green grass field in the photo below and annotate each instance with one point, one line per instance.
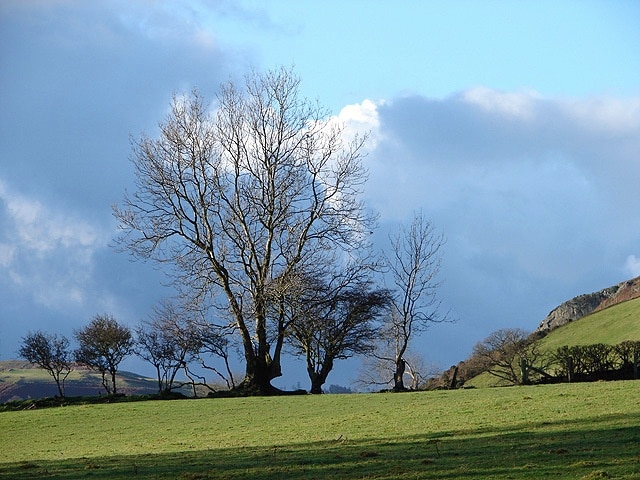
(552, 431)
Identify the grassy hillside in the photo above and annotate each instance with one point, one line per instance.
(611, 326)
(551, 431)
(20, 380)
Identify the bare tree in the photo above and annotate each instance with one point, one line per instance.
(169, 340)
(103, 344)
(243, 196)
(50, 352)
(154, 347)
(378, 370)
(215, 342)
(413, 266)
(503, 352)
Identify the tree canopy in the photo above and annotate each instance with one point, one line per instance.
(103, 344)
(50, 352)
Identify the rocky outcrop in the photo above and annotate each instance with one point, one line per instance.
(625, 291)
(583, 305)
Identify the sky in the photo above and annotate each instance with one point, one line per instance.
(513, 126)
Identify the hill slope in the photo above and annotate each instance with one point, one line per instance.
(611, 326)
(19, 380)
(585, 304)
(613, 317)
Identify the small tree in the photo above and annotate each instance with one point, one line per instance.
(626, 352)
(413, 266)
(503, 352)
(153, 347)
(215, 342)
(334, 324)
(169, 341)
(103, 344)
(50, 352)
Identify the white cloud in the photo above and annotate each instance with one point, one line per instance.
(632, 266)
(45, 252)
(364, 114)
(510, 104)
(360, 119)
(7, 252)
(41, 230)
(612, 116)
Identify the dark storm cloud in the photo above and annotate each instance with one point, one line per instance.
(537, 196)
(78, 78)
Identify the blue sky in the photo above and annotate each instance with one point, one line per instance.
(352, 49)
(515, 127)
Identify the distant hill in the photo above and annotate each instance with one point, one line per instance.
(583, 305)
(19, 380)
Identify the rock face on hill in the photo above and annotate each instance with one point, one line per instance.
(583, 305)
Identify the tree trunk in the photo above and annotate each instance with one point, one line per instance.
(398, 375)
(105, 384)
(316, 385)
(319, 377)
(159, 379)
(60, 388)
(113, 380)
(454, 378)
(258, 375)
(260, 368)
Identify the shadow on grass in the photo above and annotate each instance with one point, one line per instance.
(603, 447)
(51, 402)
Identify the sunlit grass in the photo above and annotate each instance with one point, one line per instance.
(611, 326)
(559, 431)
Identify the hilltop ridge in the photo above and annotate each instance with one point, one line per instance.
(585, 304)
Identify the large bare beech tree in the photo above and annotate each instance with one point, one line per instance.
(242, 194)
(413, 266)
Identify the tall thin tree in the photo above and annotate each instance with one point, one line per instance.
(413, 266)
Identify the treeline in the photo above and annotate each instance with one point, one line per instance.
(598, 361)
(318, 318)
(102, 345)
